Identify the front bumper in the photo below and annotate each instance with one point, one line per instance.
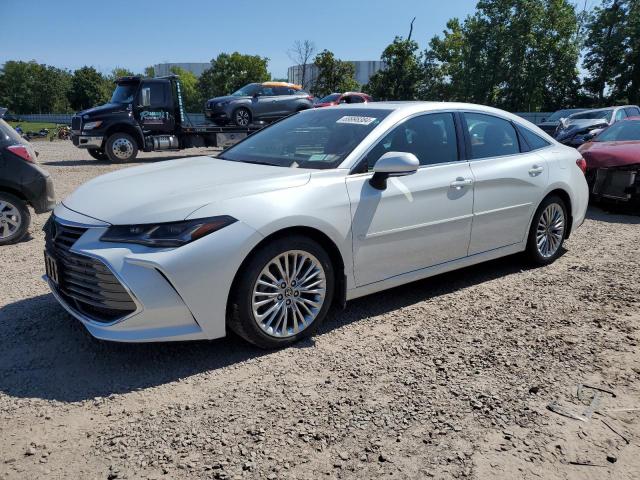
(180, 294)
(87, 141)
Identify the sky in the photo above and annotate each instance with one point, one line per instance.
(137, 33)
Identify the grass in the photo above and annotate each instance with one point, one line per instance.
(34, 126)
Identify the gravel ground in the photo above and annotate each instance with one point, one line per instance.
(447, 378)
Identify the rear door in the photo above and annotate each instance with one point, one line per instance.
(509, 182)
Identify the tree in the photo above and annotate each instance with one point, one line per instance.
(30, 87)
(150, 72)
(300, 54)
(229, 72)
(88, 88)
(605, 46)
(515, 54)
(403, 72)
(334, 75)
(119, 72)
(628, 81)
(190, 93)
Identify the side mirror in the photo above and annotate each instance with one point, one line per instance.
(145, 97)
(393, 164)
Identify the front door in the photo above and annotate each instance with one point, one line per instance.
(155, 111)
(419, 220)
(264, 103)
(509, 183)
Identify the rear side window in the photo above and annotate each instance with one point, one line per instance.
(534, 141)
(633, 111)
(282, 91)
(431, 138)
(491, 136)
(620, 115)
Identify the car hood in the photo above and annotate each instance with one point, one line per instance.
(105, 109)
(171, 190)
(611, 154)
(228, 98)
(583, 123)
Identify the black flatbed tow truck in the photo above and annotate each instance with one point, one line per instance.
(147, 114)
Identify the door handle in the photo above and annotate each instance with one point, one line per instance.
(536, 170)
(460, 183)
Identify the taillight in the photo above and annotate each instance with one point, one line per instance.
(22, 152)
(582, 163)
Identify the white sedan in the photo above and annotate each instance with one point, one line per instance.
(322, 207)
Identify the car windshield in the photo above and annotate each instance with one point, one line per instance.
(317, 139)
(330, 98)
(593, 114)
(628, 130)
(124, 93)
(247, 90)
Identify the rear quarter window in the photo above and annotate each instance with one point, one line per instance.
(534, 141)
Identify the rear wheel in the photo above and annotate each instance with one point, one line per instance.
(14, 219)
(283, 293)
(121, 148)
(98, 154)
(548, 231)
(242, 117)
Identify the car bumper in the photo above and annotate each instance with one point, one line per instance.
(46, 201)
(180, 293)
(87, 141)
(217, 115)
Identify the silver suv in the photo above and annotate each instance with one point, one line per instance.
(267, 101)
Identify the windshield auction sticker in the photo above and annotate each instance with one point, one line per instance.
(356, 120)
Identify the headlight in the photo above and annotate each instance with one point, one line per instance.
(92, 125)
(172, 234)
(221, 104)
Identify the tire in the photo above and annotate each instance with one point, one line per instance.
(14, 219)
(548, 231)
(243, 315)
(242, 117)
(121, 148)
(98, 154)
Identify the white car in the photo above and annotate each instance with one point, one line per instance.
(322, 207)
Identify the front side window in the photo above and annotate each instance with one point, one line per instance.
(491, 136)
(620, 115)
(248, 90)
(431, 138)
(124, 93)
(317, 138)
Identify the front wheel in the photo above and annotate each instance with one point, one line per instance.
(121, 148)
(98, 154)
(14, 219)
(242, 117)
(283, 293)
(548, 231)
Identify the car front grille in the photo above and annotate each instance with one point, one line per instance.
(76, 123)
(85, 283)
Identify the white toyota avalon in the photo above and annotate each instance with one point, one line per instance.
(322, 207)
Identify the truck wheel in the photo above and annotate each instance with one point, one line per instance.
(98, 154)
(121, 148)
(242, 117)
(14, 219)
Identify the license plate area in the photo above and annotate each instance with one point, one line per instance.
(51, 268)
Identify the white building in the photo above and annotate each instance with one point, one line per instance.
(197, 68)
(364, 70)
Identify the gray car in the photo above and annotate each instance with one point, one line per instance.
(267, 101)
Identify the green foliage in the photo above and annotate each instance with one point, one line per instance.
(150, 72)
(118, 72)
(190, 93)
(514, 54)
(88, 88)
(333, 75)
(29, 87)
(403, 74)
(229, 72)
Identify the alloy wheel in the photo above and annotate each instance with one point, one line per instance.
(550, 230)
(122, 148)
(288, 294)
(242, 118)
(10, 219)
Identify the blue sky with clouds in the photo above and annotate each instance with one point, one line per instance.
(137, 33)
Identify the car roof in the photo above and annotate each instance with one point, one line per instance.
(281, 84)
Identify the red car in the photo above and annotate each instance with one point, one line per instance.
(613, 162)
(338, 98)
